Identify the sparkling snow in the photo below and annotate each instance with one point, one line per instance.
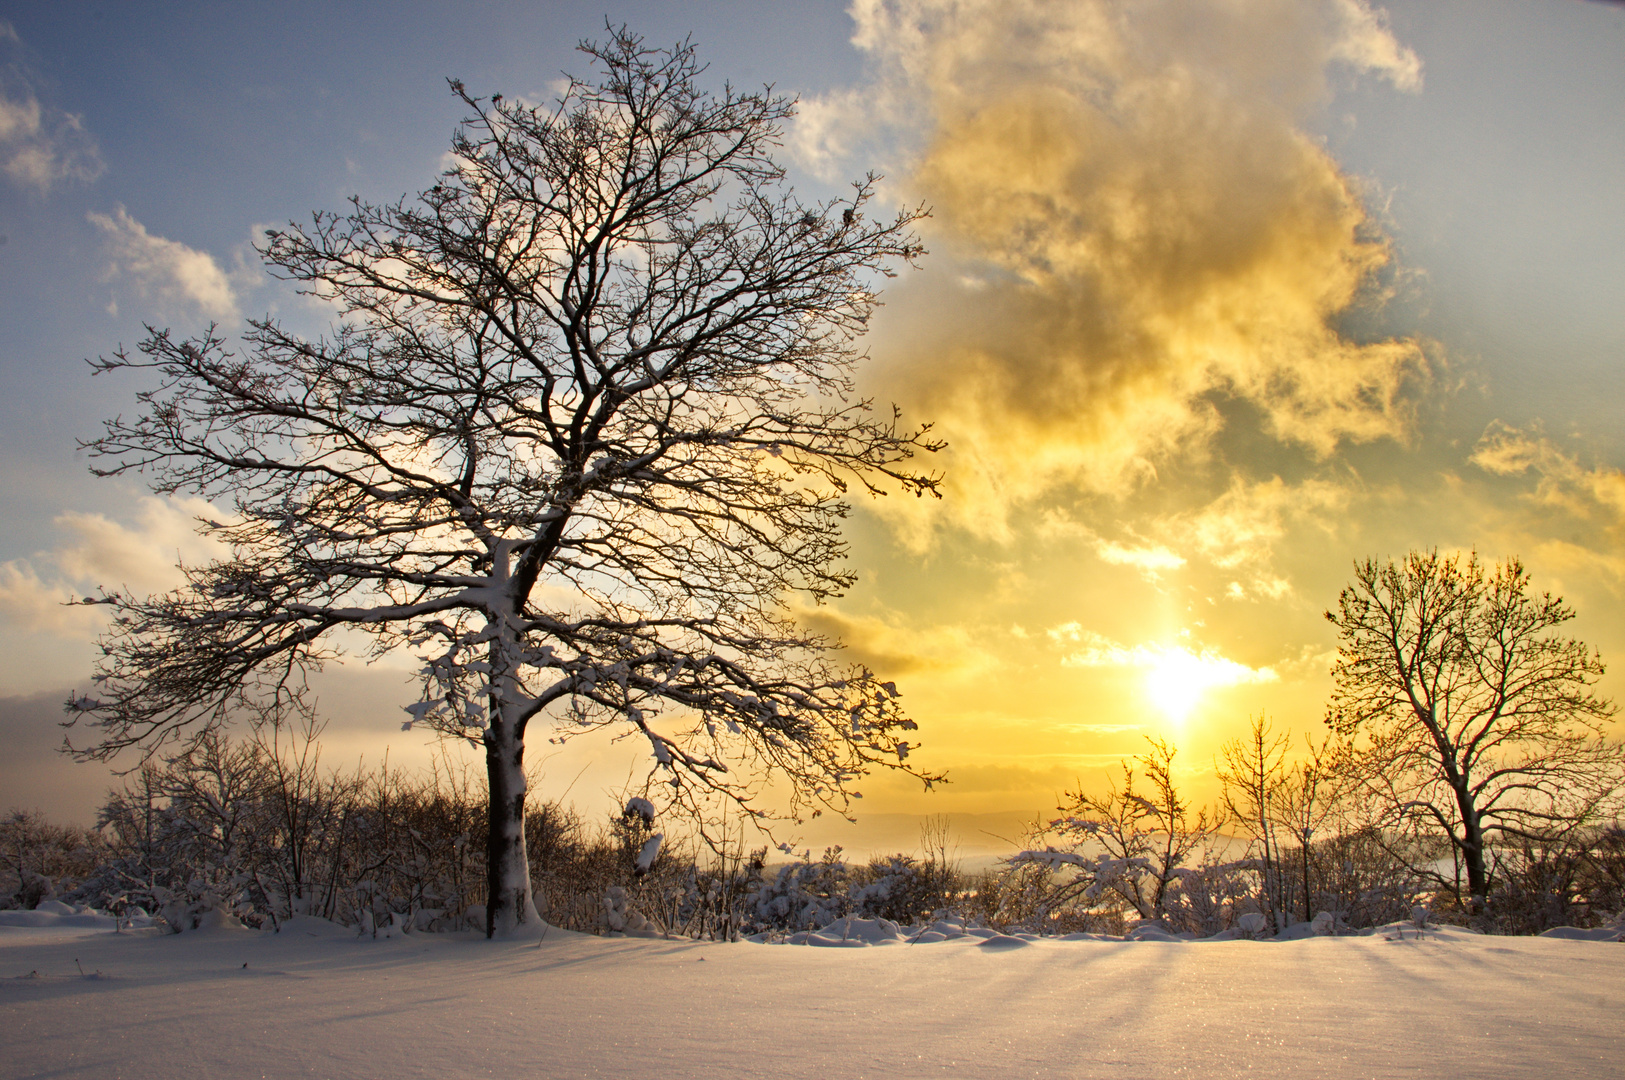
(78, 999)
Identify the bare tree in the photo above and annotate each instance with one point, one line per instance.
(584, 424)
(1252, 775)
(1124, 843)
(1307, 796)
(1478, 721)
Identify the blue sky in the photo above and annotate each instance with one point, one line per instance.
(144, 144)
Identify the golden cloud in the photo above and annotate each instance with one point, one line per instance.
(1240, 530)
(889, 648)
(1206, 664)
(1579, 510)
(1129, 225)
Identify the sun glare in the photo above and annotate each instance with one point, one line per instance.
(1177, 679)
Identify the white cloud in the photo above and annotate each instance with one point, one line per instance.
(1365, 43)
(165, 270)
(30, 603)
(98, 552)
(41, 146)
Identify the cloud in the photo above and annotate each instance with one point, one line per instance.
(38, 606)
(1597, 492)
(1150, 561)
(1130, 226)
(1241, 529)
(1090, 649)
(164, 270)
(40, 146)
(1364, 42)
(1575, 513)
(890, 649)
(99, 552)
(35, 774)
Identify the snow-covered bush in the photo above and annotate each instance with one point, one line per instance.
(1361, 875)
(807, 893)
(1029, 896)
(1577, 879)
(254, 829)
(621, 917)
(1210, 897)
(39, 859)
(903, 888)
(803, 895)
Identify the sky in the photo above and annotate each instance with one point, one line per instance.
(1221, 296)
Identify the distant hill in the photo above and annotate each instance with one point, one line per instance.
(976, 840)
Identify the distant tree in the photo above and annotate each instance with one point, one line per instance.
(1252, 774)
(1477, 720)
(1126, 845)
(585, 422)
(1309, 794)
(39, 859)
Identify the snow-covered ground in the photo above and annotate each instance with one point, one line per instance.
(78, 1000)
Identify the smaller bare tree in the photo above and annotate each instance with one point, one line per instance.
(1307, 798)
(1252, 774)
(1127, 844)
(1478, 722)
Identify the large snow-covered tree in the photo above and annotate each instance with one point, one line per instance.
(583, 426)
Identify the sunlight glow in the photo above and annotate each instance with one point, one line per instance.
(1177, 678)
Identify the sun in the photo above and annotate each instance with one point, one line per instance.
(1175, 676)
(1175, 683)
(1177, 679)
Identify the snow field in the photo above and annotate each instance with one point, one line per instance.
(317, 1001)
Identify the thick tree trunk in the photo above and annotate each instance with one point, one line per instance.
(1472, 854)
(509, 908)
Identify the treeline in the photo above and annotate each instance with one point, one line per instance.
(258, 830)
(1298, 841)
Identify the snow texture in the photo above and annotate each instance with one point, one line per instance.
(78, 999)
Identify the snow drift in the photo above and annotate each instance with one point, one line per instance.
(81, 1000)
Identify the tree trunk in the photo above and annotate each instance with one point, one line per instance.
(1472, 854)
(1308, 901)
(509, 906)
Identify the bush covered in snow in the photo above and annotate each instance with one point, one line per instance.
(807, 893)
(38, 859)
